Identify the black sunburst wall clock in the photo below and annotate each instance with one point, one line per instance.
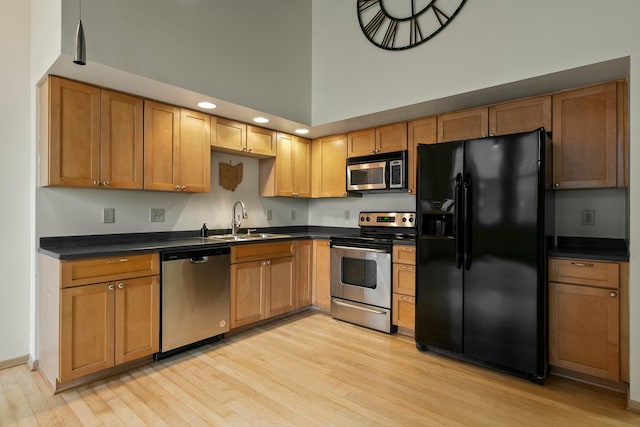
(403, 24)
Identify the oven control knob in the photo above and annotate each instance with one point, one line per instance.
(410, 219)
(361, 218)
(368, 219)
(404, 219)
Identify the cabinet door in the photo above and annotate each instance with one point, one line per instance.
(137, 318)
(520, 116)
(247, 293)
(585, 137)
(303, 260)
(86, 330)
(284, 166)
(279, 289)
(391, 138)
(261, 142)
(361, 143)
(230, 135)
(404, 311)
(422, 131)
(468, 124)
(121, 140)
(194, 155)
(161, 146)
(329, 166)
(404, 279)
(301, 167)
(73, 148)
(584, 329)
(321, 270)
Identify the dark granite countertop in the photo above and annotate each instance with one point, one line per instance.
(91, 246)
(590, 248)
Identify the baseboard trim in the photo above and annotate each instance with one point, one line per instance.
(633, 406)
(10, 363)
(33, 364)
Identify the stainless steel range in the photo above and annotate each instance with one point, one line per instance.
(361, 270)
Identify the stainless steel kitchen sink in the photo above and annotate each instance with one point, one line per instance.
(244, 237)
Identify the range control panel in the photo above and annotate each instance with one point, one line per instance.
(387, 219)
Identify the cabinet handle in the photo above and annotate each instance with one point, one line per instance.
(409, 191)
(613, 294)
(556, 185)
(403, 298)
(112, 261)
(105, 183)
(491, 134)
(582, 264)
(111, 287)
(184, 187)
(96, 183)
(177, 188)
(484, 135)
(249, 150)
(120, 285)
(404, 267)
(244, 148)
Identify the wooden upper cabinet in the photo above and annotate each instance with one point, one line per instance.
(194, 171)
(384, 139)
(520, 116)
(90, 137)
(466, 124)
(260, 141)
(586, 137)
(421, 131)
(121, 143)
(229, 135)
(289, 174)
(176, 149)
(329, 166)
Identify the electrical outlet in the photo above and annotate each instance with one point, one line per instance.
(269, 214)
(108, 215)
(588, 217)
(292, 214)
(347, 214)
(156, 215)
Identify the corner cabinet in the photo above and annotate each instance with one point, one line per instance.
(97, 314)
(588, 333)
(329, 166)
(262, 282)
(421, 131)
(289, 174)
(89, 137)
(176, 149)
(589, 139)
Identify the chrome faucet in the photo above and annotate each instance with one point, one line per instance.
(237, 221)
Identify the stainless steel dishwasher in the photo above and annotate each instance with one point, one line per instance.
(194, 298)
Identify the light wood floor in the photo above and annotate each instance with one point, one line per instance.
(310, 370)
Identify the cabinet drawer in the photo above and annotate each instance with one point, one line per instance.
(404, 279)
(260, 251)
(404, 311)
(404, 254)
(584, 272)
(95, 270)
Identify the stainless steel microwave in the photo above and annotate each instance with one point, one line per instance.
(378, 172)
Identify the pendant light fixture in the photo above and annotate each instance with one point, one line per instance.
(79, 48)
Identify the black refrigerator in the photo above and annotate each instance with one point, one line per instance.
(481, 260)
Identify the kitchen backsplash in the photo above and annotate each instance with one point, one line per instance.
(606, 208)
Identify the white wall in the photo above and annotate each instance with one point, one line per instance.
(331, 212)
(15, 179)
(68, 211)
(490, 43)
(253, 53)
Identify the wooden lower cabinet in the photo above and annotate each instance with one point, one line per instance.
(304, 265)
(404, 288)
(88, 328)
(321, 275)
(261, 288)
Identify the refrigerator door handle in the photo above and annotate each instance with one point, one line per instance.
(467, 221)
(458, 220)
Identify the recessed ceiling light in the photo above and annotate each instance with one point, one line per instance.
(261, 120)
(206, 104)
(302, 131)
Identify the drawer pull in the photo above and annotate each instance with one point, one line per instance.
(613, 294)
(406, 299)
(120, 285)
(111, 287)
(404, 267)
(582, 264)
(113, 261)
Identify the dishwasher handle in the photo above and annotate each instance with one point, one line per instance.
(199, 260)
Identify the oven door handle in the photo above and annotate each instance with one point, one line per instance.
(370, 310)
(351, 248)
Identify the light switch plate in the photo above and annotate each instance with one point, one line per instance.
(292, 214)
(347, 214)
(156, 215)
(269, 214)
(588, 217)
(108, 215)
